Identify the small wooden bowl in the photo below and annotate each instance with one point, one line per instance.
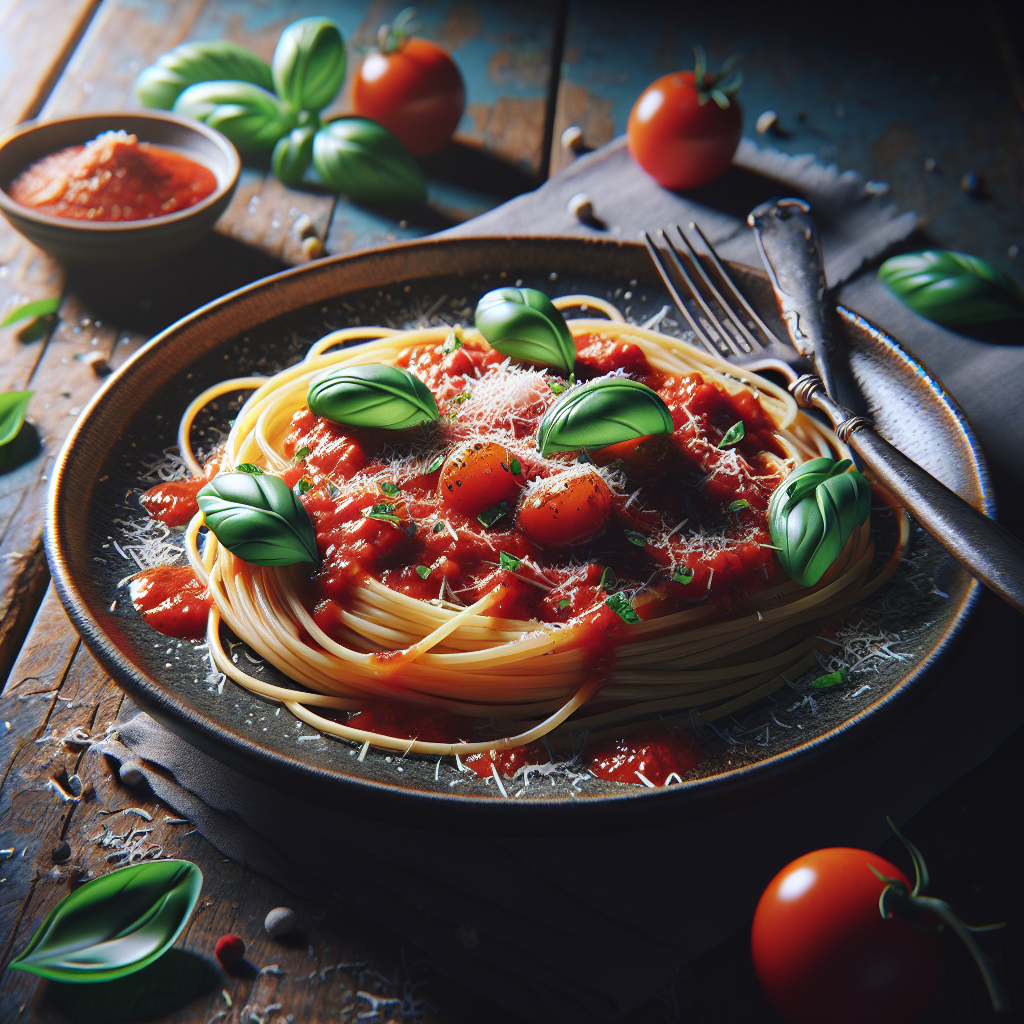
(118, 243)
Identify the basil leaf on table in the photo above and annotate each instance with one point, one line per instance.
(952, 288)
(524, 323)
(812, 515)
(604, 412)
(32, 310)
(375, 395)
(362, 159)
(114, 925)
(252, 118)
(12, 414)
(293, 154)
(215, 60)
(258, 519)
(309, 63)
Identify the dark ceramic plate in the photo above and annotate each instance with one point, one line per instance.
(897, 641)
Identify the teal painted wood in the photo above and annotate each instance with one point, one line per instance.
(880, 95)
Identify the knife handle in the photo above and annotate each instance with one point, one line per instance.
(992, 555)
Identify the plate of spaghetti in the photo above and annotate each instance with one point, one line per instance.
(470, 531)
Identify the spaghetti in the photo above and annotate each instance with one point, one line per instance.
(698, 615)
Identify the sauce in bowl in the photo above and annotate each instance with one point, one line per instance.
(113, 178)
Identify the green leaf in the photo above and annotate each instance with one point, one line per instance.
(304, 486)
(363, 160)
(248, 467)
(423, 570)
(636, 537)
(601, 413)
(252, 118)
(217, 60)
(738, 505)
(622, 607)
(832, 679)
(564, 603)
(390, 489)
(523, 323)
(439, 526)
(376, 395)
(435, 464)
(733, 435)
(309, 63)
(258, 519)
(293, 154)
(812, 514)
(490, 516)
(952, 288)
(509, 562)
(453, 342)
(301, 453)
(32, 310)
(115, 924)
(682, 574)
(609, 581)
(12, 414)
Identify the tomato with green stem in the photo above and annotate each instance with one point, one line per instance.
(685, 127)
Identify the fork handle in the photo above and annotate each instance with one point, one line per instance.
(989, 553)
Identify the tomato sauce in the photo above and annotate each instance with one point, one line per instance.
(113, 178)
(172, 601)
(654, 753)
(173, 503)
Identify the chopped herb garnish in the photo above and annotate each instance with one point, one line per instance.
(248, 467)
(490, 516)
(423, 570)
(304, 486)
(620, 604)
(453, 342)
(384, 511)
(334, 492)
(734, 434)
(609, 581)
(832, 679)
(435, 465)
(584, 456)
(390, 489)
(509, 562)
(736, 506)
(682, 574)
(516, 466)
(564, 603)
(557, 386)
(635, 537)
(301, 453)
(439, 527)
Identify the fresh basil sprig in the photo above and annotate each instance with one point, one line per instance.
(12, 414)
(251, 117)
(258, 519)
(114, 925)
(812, 514)
(216, 60)
(601, 413)
(524, 323)
(952, 288)
(375, 395)
(293, 154)
(309, 63)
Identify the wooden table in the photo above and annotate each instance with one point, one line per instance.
(532, 69)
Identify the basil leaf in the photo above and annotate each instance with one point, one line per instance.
(736, 506)
(733, 435)
(523, 323)
(832, 679)
(515, 466)
(490, 516)
(301, 453)
(304, 486)
(439, 527)
(248, 467)
(376, 395)
(423, 570)
(622, 607)
(435, 464)
(682, 574)
(217, 60)
(114, 925)
(564, 603)
(952, 288)
(390, 489)
(635, 537)
(509, 562)
(362, 159)
(603, 412)
(453, 342)
(252, 118)
(309, 63)
(293, 154)
(12, 414)
(32, 310)
(258, 519)
(609, 581)
(812, 515)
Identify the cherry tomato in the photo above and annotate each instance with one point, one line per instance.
(414, 90)
(680, 141)
(477, 476)
(824, 953)
(565, 509)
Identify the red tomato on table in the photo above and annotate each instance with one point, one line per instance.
(413, 88)
(824, 953)
(685, 127)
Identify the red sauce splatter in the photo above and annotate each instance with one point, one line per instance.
(113, 178)
(173, 503)
(172, 601)
(654, 753)
(409, 721)
(508, 762)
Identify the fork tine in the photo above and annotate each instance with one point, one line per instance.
(698, 331)
(678, 259)
(733, 319)
(724, 274)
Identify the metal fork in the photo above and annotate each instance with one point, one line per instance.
(728, 326)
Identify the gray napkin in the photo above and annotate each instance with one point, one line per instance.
(583, 930)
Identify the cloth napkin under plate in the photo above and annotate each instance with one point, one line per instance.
(586, 929)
